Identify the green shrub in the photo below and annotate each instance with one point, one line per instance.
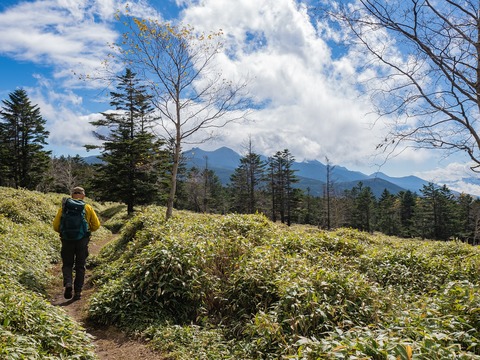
(31, 328)
(239, 286)
(419, 269)
(34, 329)
(27, 248)
(192, 342)
(116, 215)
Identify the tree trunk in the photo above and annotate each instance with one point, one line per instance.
(176, 160)
(173, 186)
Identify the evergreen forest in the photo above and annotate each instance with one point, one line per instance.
(136, 166)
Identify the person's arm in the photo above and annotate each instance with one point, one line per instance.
(56, 221)
(92, 219)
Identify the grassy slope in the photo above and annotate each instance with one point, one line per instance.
(239, 286)
(30, 327)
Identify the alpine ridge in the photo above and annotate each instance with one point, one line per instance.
(311, 174)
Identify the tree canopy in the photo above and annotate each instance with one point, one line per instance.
(131, 155)
(426, 74)
(23, 160)
(190, 93)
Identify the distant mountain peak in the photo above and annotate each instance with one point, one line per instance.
(312, 173)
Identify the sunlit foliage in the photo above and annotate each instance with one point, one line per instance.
(30, 327)
(240, 286)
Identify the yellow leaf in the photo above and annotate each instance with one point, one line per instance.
(409, 351)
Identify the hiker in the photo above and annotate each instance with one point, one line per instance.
(75, 221)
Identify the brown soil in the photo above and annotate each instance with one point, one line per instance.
(110, 343)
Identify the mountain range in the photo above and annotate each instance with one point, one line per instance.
(311, 174)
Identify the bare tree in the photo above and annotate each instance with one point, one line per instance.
(428, 52)
(193, 98)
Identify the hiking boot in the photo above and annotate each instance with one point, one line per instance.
(68, 291)
(77, 296)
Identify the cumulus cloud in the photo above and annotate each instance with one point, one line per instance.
(60, 34)
(312, 107)
(68, 38)
(457, 176)
(310, 101)
(450, 172)
(69, 129)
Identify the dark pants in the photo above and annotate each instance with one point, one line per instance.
(74, 254)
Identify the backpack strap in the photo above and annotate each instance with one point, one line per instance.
(64, 200)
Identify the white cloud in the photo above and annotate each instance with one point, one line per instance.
(312, 105)
(450, 172)
(66, 38)
(457, 176)
(70, 36)
(60, 34)
(69, 129)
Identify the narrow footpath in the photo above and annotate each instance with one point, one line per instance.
(110, 343)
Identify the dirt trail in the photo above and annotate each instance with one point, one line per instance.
(110, 343)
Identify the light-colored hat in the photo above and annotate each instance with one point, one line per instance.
(78, 189)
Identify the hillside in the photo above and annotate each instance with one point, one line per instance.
(37, 322)
(31, 327)
(239, 287)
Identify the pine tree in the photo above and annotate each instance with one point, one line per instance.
(448, 212)
(408, 205)
(239, 189)
(361, 203)
(132, 157)
(23, 160)
(437, 212)
(328, 193)
(388, 221)
(245, 183)
(282, 177)
(214, 197)
(466, 220)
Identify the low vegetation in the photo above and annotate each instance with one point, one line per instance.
(240, 287)
(31, 328)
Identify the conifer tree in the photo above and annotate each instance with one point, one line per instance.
(329, 192)
(437, 213)
(361, 202)
(131, 154)
(388, 219)
(466, 220)
(239, 189)
(246, 180)
(23, 160)
(281, 181)
(408, 205)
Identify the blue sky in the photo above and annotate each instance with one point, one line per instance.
(312, 106)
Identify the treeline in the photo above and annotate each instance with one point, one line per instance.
(435, 213)
(136, 169)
